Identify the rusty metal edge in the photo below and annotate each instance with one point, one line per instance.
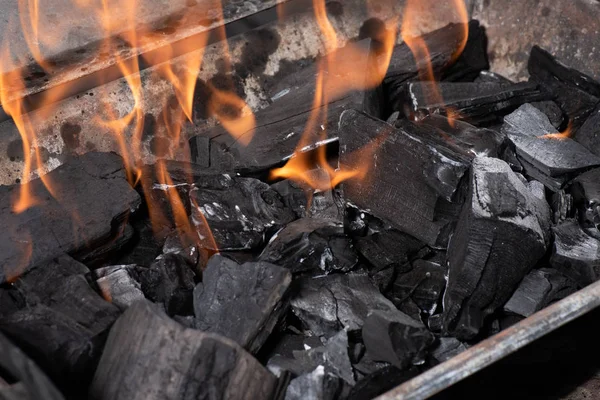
(497, 347)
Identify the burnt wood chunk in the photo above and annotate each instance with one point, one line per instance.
(424, 285)
(589, 133)
(92, 198)
(239, 211)
(394, 337)
(447, 348)
(317, 385)
(310, 244)
(327, 304)
(118, 284)
(388, 248)
(473, 59)
(502, 232)
(586, 197)
(145, 342)
(468, 100)
(63, 323)
(241, 302)
(413, 167)
(20, 378)
(576, 254)
(552, 111)
(545, 157)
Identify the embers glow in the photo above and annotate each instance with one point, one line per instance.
(566, 134)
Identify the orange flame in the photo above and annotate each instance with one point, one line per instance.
(566, 134)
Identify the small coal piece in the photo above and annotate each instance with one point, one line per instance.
(424, 285)
(240, 212)
(394, 337)
(317, 385)
(145, 342)
(311, 244)
(91, 201)
(117, 283)
(552, 111)
(388, 248)
(549, 157)
(586, 198)
(63, 323)
(589, 133)
(329, 303)
(576, 254)
(502, 232)
(447, 348)
(241, 302)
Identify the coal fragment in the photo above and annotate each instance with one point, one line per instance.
(329, 303)
(530, 295)
(473, 58)
(412, 169)
(589, 133)
(294, 196)
(424, 285)
(241, 302)
(394, 337)
(239, 211)
(388, 248)
(447, 348)
(317, 385)
(576, 254)
(118, 285)
(548, 157)
(562, 206)
(552, 111)
(310, 244)
(91, 200)
(502, 232)
(381, 381)
(170, 281)
(586, 198)
(145, 342)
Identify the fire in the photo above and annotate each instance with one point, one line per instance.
(566, 134)
(337, 75)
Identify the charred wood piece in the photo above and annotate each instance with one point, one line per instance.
(388, 248)
(424, 285)
(586, 198)
(317, 385)
(118, 283)
(589, 133)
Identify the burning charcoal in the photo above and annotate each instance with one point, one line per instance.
(503, 231)
(200, 150)
(576, 94)
(329, 303)
(548, 157)
(114, 246)
(316, 385)
(222, 305)
(412, 169)
(424, 284)
(468, 100)
(447, 348)
(239, 211)
(394, 337)
(388, 248)
(183, 246)
(91, 200)
(145, 342)
(310, 244)
(63, 323)
(117, 284)
(473, 58)
(589, 133)
(293, 195)
(170, 281)
(144, 247)
(20, 378)
(552, 111)
(576, 254)
(586, 194)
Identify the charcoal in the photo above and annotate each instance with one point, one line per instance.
(144, 247)
(294, 196)
(20, 377)
(576, 94)
(552, 111)
(447, 348)
(279, 364)
(381, 381)
(333, 356)
(118, 285)
(562, 206)
(548, 157)
(412, 169)
(239, 211)
(492, 77)
(530, 295)
(200, 150)
(473, 59)
(394, 337)
(184, 246)
(92, 200)
(103, 253)
(388, 248)
(145, 342)
(170, 281)
(467, 100)
(424, 285)
(329, 303)
(586, 197)
(576, 254)
(503, 231)
(63, 323)
(221, 302)
(589, 133)
(310, 244)
(368, 366)
(317, 385)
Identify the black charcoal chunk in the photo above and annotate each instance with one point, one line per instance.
(473, 59)
(317, 385)
(64, 322)
(329, 303)
(586, 198)
(562, 206)
(239, 211)
(548, 156)
(145, 246)
(145, 343)
(492, 77)
(446, 348)
(502, 232)
(381, 381)
(241, 302)
(589, 133)
(424, 285)
(388, 248)
(413, 167)
(200, 150)
(576, 254)
(91, 201)
(169, 281)
(294, 196)
(552, 111)
(118, 284)
(530, 295)
(310, 244)
(467, 100)
(394, 337)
